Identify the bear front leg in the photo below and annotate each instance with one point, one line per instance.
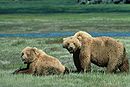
(23, 71)
(125, 66)
(85, 65)
(85, 62)
(77, 60)
(26, 70)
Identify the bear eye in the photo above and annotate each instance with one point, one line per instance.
(67, 44)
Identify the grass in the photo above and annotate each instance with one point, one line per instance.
(43, 16)
(10, 55)
(71, 80)
(42, 23)
(59, 6)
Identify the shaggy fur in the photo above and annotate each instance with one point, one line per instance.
(39, 63)
(81, 35)
(102, 51)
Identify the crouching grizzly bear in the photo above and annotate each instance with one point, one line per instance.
(39, 63)
(102, 51)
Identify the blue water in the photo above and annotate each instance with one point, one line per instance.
(39, 35)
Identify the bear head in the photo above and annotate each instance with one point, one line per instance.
(72, 44)
(29, 54)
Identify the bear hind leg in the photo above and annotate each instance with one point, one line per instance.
(125, 66)
(112, 67)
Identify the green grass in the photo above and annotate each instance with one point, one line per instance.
(42, 23)
(43, 16)
(10, 55)
(59, 6)
(71, 80)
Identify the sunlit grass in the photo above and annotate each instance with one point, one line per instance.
(68, 17)
(72, 80)
(98, 22)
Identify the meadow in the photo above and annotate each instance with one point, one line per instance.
(38, 17)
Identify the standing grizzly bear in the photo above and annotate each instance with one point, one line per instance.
(39, 63)
(79, 35)
(102, 51)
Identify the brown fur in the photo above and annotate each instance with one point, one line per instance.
(102, 51)
(26, 70)
(79, 35)
(39, 63)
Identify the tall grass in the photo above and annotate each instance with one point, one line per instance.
(68, 17)
(42, 23)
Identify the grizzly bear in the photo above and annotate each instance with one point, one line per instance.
(40, 63)
(102, 51)
(79, 35)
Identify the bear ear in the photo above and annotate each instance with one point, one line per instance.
(34, 49)
(79, 38)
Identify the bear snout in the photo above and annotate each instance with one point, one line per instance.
(70, 49)
(24, 60)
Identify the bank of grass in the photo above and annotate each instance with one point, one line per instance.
(59, 6)
(42, 23)
(41, 16)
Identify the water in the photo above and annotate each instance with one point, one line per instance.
(57, 34)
